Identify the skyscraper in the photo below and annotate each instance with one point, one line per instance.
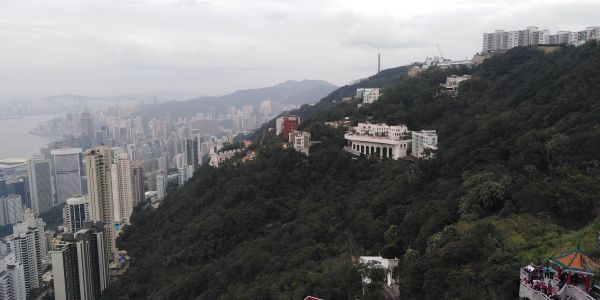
(80, 264)
(122, 186)
(64, 271)
(26, 248)
(75, 213)
(191, 151)
(11, 209)
(3, 187)
(161, 186)
(99, 182)
(12, 275)
(86, 124)
(32, 222)
(137, 183)
(67, 173)
(40, 184)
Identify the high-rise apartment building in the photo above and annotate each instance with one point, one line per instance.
(40, 184)
(12, 275)
(99, 182)
(26, 247)
(501, 40)
(32, 222)
(122, 181)
(11, 209)
(161, 186)
(67, 173)
(75, 213)
(88, 131)
(137, 174)
(191, 151)
(80, 264)
(64, 271)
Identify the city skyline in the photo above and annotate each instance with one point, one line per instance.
(212, 48)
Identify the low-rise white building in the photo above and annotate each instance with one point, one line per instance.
(379, 140)
(422, 141)
(453, 82)
(378, 262)
(300, 140)
(368, 95)
(217, 158)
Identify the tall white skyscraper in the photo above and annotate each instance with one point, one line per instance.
(26, 247)
(67, 173)
(99, 182)
(12, 275)
(32, 222)
(122, 181)
(161, 186)
(40, 184)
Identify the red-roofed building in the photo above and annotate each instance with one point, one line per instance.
(289, 124)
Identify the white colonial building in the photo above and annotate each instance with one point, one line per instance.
(385, 141)
(379, 140)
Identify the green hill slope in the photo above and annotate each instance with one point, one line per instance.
(516, 179)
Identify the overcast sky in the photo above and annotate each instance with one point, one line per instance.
(109, 47)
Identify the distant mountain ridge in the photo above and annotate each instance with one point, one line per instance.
(288, 92)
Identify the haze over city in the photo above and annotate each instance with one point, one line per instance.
(99, 48)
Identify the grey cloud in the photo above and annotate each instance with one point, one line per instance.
(210, 47)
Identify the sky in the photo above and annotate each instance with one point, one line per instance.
(112, 47)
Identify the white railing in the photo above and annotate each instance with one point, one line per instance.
(574, 292)
(526, 291)
(349, 149)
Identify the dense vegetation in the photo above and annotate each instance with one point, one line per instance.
(516, 179)
(53, 218)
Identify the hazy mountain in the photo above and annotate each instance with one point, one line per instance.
(289, 92)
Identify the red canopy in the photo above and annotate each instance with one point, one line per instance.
(576, 262)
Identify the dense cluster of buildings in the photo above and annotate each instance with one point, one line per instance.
(246, 119)
(287, 127)
(99, 166)
(501, 40)
(385, 141)
(23, 258)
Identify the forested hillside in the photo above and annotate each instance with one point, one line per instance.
(516, 179)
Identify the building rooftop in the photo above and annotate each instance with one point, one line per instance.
(12, 162)
(76, 200)
(66, 151)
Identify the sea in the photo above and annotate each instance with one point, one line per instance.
(15, 139)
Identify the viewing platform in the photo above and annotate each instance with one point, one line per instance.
(567, 276)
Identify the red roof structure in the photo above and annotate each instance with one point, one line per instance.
(576, 262)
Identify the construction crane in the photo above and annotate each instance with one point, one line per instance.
(440, 51)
